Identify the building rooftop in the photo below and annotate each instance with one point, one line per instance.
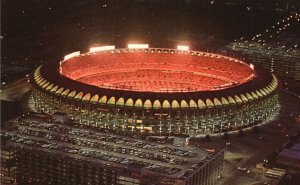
(290, 154)
(296, 147)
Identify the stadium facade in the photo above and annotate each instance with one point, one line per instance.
(157, 91)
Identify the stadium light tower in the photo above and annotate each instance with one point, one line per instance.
(102, 48)
(182, 48)
(138, 46)
(71, 55)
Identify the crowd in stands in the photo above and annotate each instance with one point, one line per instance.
(155, 71)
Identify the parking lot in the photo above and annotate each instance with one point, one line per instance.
(115, 150)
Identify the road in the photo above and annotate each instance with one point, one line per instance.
(15, 90)
(247, 151)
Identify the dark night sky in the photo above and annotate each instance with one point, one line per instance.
(41, 30)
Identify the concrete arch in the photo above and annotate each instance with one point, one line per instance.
(244, 98)
(147, 104)
(62, 92)
(249, 97)
(42, 82)
(217, 102)
(39, 81)
(79, 96)
(224, 101)
(231, 100)
(269, 89)
(166, 104)
(129, 103)
(238, 100)
(72, 94)
(175, 104)
(94, 99)
(266, 90)
(49, 87)
(258, 94)
(86, 97)
(45, 85)
(183, 104)
(37, 77)
(138, 103)
(201, 104)
(193, 104)
(262, 92)
(209, 103)
(103, 100)
(156, 104)
(111, 101)
(120, 102)
(54, 89)
(254, 95)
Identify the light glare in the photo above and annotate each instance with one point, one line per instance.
(102, 48)
(183, 48)
(138, 46)
(71, 55)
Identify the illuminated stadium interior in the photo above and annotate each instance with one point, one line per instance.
(154, 70)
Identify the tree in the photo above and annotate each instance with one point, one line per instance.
(207, 138)
(256, 130)
(226, 136)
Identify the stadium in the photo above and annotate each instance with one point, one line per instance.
(156, 91)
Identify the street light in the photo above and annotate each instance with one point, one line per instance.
(227, 145)
(266, 163)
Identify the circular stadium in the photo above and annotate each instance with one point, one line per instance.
(156, 91)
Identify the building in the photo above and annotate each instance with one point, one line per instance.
(156, 91)
(284, 65)
(8, 163)
(181, 140)
(61, 117)
(55, 153)
(290, 157)
(276, 48)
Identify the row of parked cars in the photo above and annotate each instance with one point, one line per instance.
(91, 153)
(98, 144)
(114, 139)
